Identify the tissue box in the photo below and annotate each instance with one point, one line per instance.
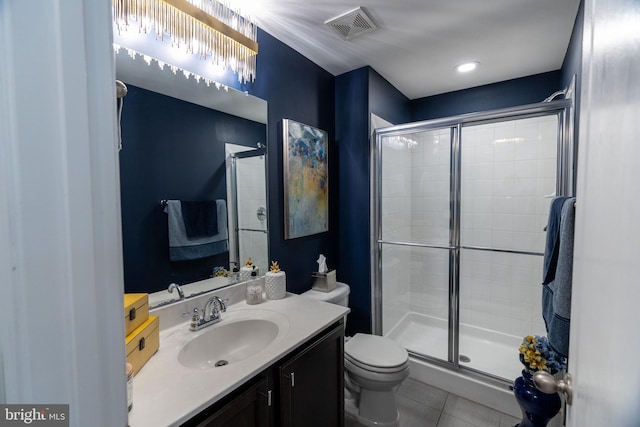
(324, 282)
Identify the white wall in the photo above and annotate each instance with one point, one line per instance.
(604, 314)
(61, 309)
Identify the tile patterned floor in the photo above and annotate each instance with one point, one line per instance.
(422, 405)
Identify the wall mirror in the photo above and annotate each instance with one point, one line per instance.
(176, 133)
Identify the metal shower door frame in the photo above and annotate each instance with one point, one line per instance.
(565, 185)
(233, 197)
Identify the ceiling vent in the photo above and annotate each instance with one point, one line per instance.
(351, 24)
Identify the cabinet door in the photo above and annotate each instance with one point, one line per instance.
(250, 408)
(312, 384)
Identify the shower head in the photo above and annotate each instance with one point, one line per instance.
(121, 89)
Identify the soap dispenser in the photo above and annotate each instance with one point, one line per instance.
(254, 289)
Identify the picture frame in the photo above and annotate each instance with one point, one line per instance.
(305, 178)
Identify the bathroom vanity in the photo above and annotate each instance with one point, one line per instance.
(304, 388)
(279, 363)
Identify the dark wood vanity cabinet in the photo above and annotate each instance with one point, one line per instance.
(312, 384)
(249, 406)
(303, 389)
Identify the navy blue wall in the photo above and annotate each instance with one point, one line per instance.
(352, 124)
(525, 90)
(571, 65)
(386, 101)
(359, 93)
(172, 150)
(297, 89)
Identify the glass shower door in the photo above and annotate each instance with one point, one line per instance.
(508, 177)
(460, 207)
(247, 206)
(415, 239)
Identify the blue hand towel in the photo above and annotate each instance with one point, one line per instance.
(183, 247)
(556, 294)
(200, 218)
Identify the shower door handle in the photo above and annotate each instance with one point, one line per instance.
(546, 383)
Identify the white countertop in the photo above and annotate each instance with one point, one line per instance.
(165, 393)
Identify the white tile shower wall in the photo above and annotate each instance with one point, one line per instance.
(395, 276)
(415, 208)
(395, 223)
(430, 172)
(508, 169)
(429, 281)
(396, 190)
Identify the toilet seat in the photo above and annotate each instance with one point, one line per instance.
(375, 354)
(375, 369)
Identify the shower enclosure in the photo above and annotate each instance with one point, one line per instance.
(459, 210)
(247, 213)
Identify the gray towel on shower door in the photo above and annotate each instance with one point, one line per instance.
(556, 294)
(553, 240)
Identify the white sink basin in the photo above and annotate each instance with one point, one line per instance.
(228, 342)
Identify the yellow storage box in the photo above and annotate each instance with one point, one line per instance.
(136, 311)
(142, 343)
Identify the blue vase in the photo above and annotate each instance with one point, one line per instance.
(537, 407)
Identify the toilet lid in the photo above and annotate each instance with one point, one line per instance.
(375, 351)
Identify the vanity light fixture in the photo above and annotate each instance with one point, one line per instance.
(467, 66)
(161, 64)
(211, 29)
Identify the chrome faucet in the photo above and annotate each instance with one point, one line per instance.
(210, 314)
(177, 287)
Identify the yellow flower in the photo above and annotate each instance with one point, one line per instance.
(248, 262)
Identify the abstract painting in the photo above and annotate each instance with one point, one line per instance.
(306, 174)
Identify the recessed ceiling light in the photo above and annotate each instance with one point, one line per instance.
(467, 66)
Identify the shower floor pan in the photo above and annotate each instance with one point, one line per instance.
(491, 352)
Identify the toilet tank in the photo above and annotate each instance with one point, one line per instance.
(339, 295)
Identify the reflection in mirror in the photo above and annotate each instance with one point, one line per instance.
(174, 132)
(249, 233)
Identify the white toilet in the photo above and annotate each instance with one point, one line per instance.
(374, 368)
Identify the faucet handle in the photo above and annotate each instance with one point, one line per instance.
(195, 320)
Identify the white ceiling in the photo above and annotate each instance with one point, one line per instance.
(419, 42)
